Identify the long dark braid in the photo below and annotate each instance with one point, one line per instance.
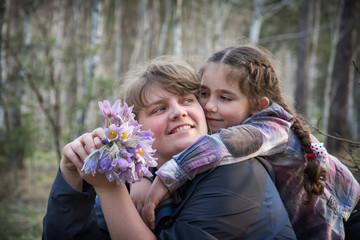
(257, 78)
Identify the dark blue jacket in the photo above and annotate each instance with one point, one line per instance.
(229, 202)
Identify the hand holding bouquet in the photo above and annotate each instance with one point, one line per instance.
(127, 153)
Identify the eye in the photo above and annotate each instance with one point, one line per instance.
(158, 110)
(188, 100)
(224, 98)
(203, 94)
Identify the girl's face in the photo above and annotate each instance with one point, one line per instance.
(223, 102)
(176, 121)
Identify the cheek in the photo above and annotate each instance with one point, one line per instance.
(155, 126)
(202, 102)
(227, 112)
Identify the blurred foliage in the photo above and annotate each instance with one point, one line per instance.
(23, 207)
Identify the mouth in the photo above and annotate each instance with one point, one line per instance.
(180, 128)
(212, 119)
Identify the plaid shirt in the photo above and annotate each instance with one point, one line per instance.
(268, 134)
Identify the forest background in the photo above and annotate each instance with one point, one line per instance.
(58, 58)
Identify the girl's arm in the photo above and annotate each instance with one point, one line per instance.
(259, 136)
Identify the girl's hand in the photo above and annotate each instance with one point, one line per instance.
(158, 192)
(138, 193)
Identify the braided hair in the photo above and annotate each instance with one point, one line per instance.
(257, 78)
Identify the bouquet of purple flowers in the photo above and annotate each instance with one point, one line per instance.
(127, 153)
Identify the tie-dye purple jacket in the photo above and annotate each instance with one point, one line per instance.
(268, 134)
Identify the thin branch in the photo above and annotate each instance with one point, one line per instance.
(356, 67)
(353, 143)
(36, 91)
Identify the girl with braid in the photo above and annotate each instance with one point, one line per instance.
(244, 107)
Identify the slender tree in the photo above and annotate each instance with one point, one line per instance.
(96, 37)
(165, 28)
(338, 117)
(302, 52)
(141, 29)
(330, 67)
(2, 18)
(313, 59)
(256, 22)
(177, 28)
(262, 12)
(118, 38)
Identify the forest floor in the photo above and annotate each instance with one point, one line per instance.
(23, 203)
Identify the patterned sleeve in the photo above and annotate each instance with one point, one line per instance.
(263, 136)
(260, 137)
(202, 155)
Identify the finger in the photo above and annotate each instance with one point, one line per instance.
(149, 216)
(98, 132)
(78, 148)
(72, 157)
(152, 220)
(143, 216)
(89, 144)
(98, 143)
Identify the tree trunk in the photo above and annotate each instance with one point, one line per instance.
(177, 29)
(221, 13)
(338, 114)
(335, 38)
(313, 61)
(165, 28)
(302, 59)
(256, 22)
(118, 38)
(2, 110)
(71, 99)
(357, 99)
(139, 36)
(92, 64)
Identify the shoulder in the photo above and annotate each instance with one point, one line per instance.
(226, 195)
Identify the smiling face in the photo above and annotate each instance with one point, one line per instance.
(223, 102)
(176, 121)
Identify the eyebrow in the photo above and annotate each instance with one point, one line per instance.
(223, 91)
(160, 101)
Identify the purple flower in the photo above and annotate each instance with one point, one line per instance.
(121, 163)
(108, 111)
(110, 175)
(91, 162)
(125, 131)
(145, 134)
(112, 133)
(125, 155)
(105, 164)
(128, 152)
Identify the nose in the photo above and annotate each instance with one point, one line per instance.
(177, 111)
(210, 105)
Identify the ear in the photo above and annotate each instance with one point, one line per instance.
(264, 102)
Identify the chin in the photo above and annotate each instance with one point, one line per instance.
(182, 146)
(214, 130)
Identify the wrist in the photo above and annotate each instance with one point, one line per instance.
(109, 188)
(72, 178)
